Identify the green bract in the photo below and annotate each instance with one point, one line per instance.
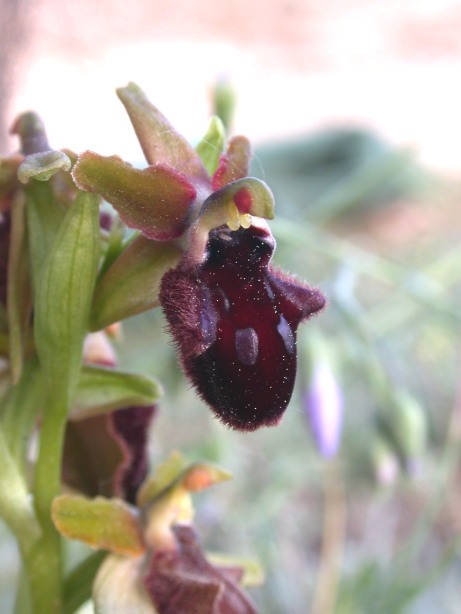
(64, 294)
(131, 284)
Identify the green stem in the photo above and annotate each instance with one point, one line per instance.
(17, 511)
(15, 506)
(47, 487)
(332, 542)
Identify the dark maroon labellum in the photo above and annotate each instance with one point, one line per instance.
(234, 320)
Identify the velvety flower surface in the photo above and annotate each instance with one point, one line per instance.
(183, 580)
(234, 319)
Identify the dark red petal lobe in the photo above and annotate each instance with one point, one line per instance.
(130, 428)
(237, 338)
(184, 582)
(106, 454)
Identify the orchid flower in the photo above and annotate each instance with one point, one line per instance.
(231, 314)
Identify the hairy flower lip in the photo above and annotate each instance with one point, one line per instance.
(234, 319)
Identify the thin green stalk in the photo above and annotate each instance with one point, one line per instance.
(449, 462)
(332, 542)
(17, 511)
(47, 487)
(16, 508)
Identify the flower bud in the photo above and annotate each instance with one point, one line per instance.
(406, 424)
(323, 400)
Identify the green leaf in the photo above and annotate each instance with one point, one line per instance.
(103, 390)
(131, 284)
(210, 147)
(44, 216)
(78, 584)
(43, 165)
(160, 142)
(119, 588)
(22, 406)
(64, 296)
(107, 524)
(16, 507)
(19, 302)
(156, 200)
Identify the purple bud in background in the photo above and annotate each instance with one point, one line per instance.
(323, 404)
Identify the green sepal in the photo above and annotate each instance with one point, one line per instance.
(43, 165)
(211, 146)
(103, 390)
(131, 285)
(64, 295)
(119, 588)
(156, 200)
(160, 142)
(19, 299)
(161, 479)
(107, 524)
(176, 472)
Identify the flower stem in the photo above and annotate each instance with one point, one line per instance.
(47, 487)
(17, 511)
(332, 544)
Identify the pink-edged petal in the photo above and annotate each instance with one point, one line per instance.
(130, 427)
(234, 163)
(156, 200)
(160, 142)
